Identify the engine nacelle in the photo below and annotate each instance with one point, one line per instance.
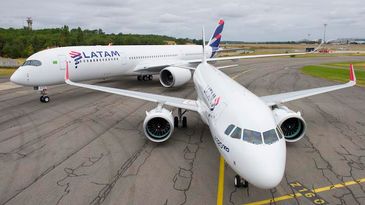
(158, 124)
(291, 123)
(174, 76)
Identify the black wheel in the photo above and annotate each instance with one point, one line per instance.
(150, 77)
(139, 78)
(184, 122)
(237, 181)
(245, 184)
(145, 77)
(176, 121)
(41, 98)
(46, 99)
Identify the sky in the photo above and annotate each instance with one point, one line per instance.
(259, 20)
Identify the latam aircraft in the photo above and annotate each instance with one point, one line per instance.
(250, 132)
(173, 63)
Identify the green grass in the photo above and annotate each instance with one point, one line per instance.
(6, 71)
(337, 71)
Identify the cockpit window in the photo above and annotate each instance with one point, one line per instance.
(270, 136)
(237, 133)
(229, 129)
(252, 136)
(32, 63)
(279, 133)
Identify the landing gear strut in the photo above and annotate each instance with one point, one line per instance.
(180, 119)
(44, 97)
(144, 77)
(239, 182)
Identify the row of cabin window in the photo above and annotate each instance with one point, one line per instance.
(157, 56)
(98, 60)
(251, 136)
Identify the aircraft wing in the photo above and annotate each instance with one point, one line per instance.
(253, 56)
(271, 100)
(166, 100)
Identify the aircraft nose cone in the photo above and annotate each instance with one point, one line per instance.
(271, 177)
(267, 169)
(17, 78)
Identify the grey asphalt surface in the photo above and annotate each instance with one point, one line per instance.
(88, 147)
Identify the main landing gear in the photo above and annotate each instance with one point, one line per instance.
(239, 182)
(44, 97)
(180, 119)
(144, 77)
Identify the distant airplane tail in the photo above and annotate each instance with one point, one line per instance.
(216, 37)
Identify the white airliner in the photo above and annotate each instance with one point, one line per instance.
(171, 62)
(250, 132)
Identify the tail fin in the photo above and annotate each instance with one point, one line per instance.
(216, 37)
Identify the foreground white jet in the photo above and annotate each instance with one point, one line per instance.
(250, 132)
(173, 63)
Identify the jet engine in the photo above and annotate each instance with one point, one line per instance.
(158, 124)
(291, 123)
(174, 76)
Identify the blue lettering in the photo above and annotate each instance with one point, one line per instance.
(100, 53)
(85, 56)
(115, 53)
(93, 55)
(107, 54)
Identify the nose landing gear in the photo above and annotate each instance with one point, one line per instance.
(240, 182)
(44, 97)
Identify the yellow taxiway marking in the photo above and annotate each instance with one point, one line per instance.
(220, 181)
(296, 195)
(241, 73)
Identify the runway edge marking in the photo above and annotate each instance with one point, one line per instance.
(220, 181)
(322, 189)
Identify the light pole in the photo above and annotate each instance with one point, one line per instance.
(324, 34)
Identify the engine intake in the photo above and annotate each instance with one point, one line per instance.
(291, 124)
(174, 76)
(158, 124)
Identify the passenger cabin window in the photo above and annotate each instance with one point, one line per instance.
(32, 63)
(252, 136)
(270, 136)
(237, 133)
(229, 129)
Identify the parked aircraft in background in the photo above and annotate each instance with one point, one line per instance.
(250, 132)
(173, 63)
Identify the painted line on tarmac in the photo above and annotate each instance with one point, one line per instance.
(220, 181)
(220, 192)
(297, 195)
(239, 74)
(8, 85)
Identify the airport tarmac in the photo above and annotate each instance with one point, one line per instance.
(88, 147)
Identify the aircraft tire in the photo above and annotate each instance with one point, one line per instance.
(237, 181)
(176, 121)
(46, 99)
(184, 122)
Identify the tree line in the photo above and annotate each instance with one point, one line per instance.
(21, 43)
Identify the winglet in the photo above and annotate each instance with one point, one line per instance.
(66, 73)
(352, 74)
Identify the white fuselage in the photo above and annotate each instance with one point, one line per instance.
(95, 62)
(223, 102)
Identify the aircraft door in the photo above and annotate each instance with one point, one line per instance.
(62, 61)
